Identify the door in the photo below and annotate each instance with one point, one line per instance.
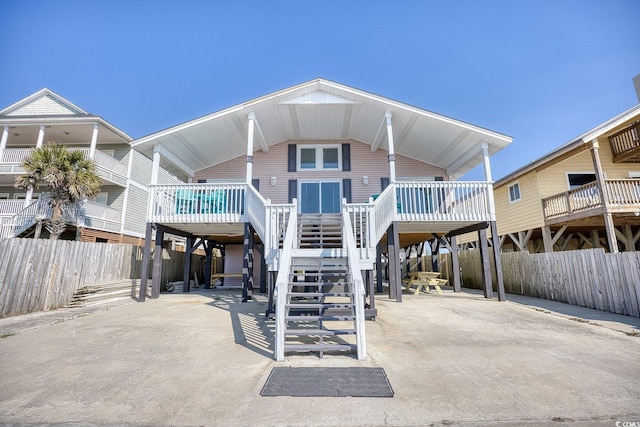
(320, 197)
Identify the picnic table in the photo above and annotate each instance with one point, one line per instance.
(424, 279)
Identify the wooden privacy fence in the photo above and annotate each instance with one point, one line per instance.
(37, 275)
(588, 278)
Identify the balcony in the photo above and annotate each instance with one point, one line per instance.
(623, 196)
(84, 214)
(206, 209)
(625, 145)
(109, 168)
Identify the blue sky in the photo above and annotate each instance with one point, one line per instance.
(542, 71)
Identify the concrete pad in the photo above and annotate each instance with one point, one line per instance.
(202, 359)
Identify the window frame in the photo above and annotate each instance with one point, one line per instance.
(580, 173)
(319, 157)
(509, 187)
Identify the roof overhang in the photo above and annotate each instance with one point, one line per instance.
(575, 146)
(324, 110)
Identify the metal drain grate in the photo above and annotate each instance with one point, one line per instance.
(330, 382)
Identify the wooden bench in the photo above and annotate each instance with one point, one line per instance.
(424, 279)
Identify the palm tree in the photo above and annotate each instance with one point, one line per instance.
(68, 174)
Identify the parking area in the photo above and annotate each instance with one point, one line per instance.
(202, 359)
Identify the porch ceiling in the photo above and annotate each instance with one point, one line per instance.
(323, 110)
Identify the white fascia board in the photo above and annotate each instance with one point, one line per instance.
(611, 124)
(505, 138)
(171, 158)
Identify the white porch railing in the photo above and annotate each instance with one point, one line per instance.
(353, 258)
(282, 282)
(197, 203)
(430, 201)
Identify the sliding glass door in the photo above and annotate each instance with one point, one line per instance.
(320, 197)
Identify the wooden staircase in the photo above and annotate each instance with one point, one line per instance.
(320, 311)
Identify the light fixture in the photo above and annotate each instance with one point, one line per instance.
(273, 180)
(365, 180)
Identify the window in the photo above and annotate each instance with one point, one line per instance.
(579, 179)
(514, 192)
(319, 157)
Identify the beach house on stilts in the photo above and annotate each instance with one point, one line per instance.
(310, 185)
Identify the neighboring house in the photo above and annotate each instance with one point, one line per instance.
(117, 214)
(318, 179)
(585, 194)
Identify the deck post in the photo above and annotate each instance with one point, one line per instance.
(455, 264)
(157, 265)
(247, 263)
(208, 250)
(146, 254)
(379, 287)
(608, 218)
(486, 263)
(547, 239)
(263, 271)
(395, 275)
(497, 260)
(186, 284)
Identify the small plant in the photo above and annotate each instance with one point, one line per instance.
(10, 334)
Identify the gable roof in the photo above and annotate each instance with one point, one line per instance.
(572, 147)
(47, 107)
(44, 103)
(323, 110)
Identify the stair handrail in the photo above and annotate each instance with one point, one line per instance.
(282, 280)
(24, 219)
(353, 260)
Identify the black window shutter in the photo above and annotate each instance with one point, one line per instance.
(256, 183)
(384, 183)
(293, 189)
(346, 189)
(439, 178)
(292, 158)
(346, 157)
(201, 181)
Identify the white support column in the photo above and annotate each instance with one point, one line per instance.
(392, 153)
(156, 167)
(489, 178)
(94, 140)
(3, 141)
(40, 137)
(252, 118)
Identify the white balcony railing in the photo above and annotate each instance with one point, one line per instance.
(82, 214)
(10, 207)
(108, 167)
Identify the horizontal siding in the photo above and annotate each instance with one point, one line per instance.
(374, 165)
(120, 151)
(233, 264)
(136, 213)
(523, 214)
(115, 197)
(141, 170)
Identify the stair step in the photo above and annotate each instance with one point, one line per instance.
(312, 318)
(319, 294)
(323, 332)
(319, 306)
(319, 347)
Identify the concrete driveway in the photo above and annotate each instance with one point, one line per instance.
(201, 359)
